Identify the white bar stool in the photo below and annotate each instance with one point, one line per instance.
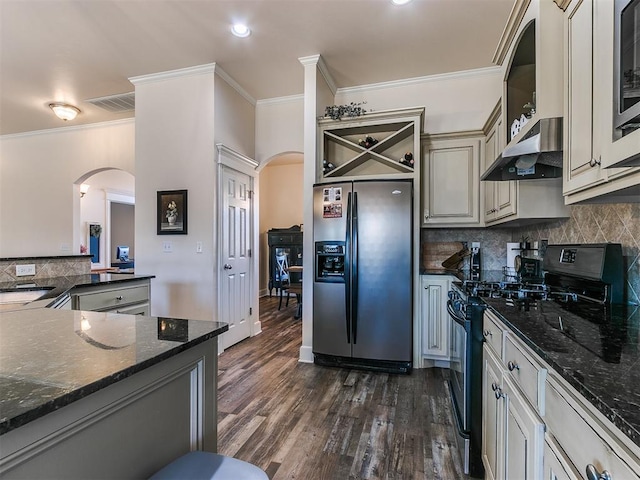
(209, 466)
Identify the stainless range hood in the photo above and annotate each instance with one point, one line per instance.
(537, 155)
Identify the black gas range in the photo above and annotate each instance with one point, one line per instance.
(578, 294)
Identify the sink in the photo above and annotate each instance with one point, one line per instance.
(18, 296)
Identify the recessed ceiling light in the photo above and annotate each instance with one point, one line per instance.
(240, 30)
(400, 2)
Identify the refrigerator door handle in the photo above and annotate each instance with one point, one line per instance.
(347, 270)
(354, 270)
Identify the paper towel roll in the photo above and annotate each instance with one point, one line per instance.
(511, 256)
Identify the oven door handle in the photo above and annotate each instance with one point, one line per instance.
(453, 314)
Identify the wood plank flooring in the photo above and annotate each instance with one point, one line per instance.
(303, 421)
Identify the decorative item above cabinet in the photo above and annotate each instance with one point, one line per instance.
(374, 145)
(530, 52)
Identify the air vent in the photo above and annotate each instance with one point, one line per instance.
(123, 102)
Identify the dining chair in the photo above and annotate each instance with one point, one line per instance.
(282, 264)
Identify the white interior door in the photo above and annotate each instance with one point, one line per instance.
(235, 299)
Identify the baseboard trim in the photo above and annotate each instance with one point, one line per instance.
(306, 354)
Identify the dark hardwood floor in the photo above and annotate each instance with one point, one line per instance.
(303, 421)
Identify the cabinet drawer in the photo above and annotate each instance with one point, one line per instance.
(138, 309)
(280, 239)
(528, 375)
(493, 333)
(584, 445)
(108, 299)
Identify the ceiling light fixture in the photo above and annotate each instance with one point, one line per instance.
(400, 2)
(64, 111)
(240, 30)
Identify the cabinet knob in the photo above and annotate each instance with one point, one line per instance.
(487, 333)
(512, 366)
(494, 386)
(227, 266)
(498, 393)
(119, 297)
(595, 161)
(593, 474)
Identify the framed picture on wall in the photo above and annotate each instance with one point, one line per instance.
(172, 212)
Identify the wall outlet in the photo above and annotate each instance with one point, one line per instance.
(475, 246)
(24, 270)
(167, 247)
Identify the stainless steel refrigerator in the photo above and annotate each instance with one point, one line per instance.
(362, 292)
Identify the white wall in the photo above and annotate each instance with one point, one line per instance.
(39, 203)
(235, 119)
(453, 102)
(176, 118)
(279, 127)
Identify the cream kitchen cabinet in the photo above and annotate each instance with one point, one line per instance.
(516, 201)
(451, 179)
(131, 297)
(499, 197)
(600, 448)
(512, 429)
(588, 144)
(555, 465)
(537, 426)
(434, 324)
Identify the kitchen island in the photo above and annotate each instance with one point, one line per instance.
(96, 394)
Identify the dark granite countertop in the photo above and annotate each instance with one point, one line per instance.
(51, 358)
(60, 285)
(601, 360)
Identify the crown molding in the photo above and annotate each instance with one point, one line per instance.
(86, 126)
(510, 29)
(235, 85)
(420, 80)
(181, 72)
(286, 99)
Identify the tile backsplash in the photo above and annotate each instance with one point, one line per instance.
(46, 267)
(596, 223)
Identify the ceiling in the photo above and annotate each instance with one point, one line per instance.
(76, 50)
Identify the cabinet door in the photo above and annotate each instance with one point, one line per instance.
(581, 147)
(451, 182)
(524, 436)
(490, 150)
(556, 465)
(435, 320)
(492, 417)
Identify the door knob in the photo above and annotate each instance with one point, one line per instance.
(227, 266)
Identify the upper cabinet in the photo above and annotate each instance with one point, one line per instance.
(531, 58)
(517, 201)
(451, 179)
(589, 145)
(382, 144)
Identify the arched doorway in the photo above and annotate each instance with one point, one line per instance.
(107, 210)
(280, 197)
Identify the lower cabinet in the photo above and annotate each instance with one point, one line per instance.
(556, 465)
(524, 436)
(537, 426)
(492, 416)
(123, 297)
(512, 429)
(434, 325)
